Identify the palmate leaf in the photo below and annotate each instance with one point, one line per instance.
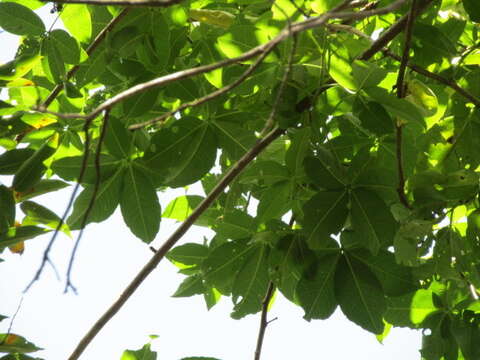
(410, 309)
(18, 234)
(360, 294)
(139, 204)
(317, 296)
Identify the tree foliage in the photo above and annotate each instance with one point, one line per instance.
(336, 142)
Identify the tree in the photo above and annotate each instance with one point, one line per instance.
(355, 120)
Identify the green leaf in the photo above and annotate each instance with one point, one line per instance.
(188, 254)
(18, 234)
(20, 20)
(222, 265)
(372, 218)
(294, 158)
(360, 294)
(400, 108)
(140, 206)
(78, 22)
(142, 354)
(374, 117)
(32, 170)
(66, 45)
(7, 208)
(192, 285)
(324, 171)
(410, 309)
(236, 224)
(251, 282)
(264, 173)
(52, 61)
(92, 68)
(10, 161)
(183, 153)
(471, 7)
(467, 335)
(395, 279)
(118, 139)
(141, 103)
(69, 168)
(105, 203)
(12, 343)
(325, 214)
(233, 138)
(43, 187)
(37, 213)
(316, 295)
(274, 202)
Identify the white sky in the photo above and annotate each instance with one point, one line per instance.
(109, 256)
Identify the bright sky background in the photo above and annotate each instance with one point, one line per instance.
(109, 256)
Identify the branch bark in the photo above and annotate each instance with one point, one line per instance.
(263, 320)
(171, 241)
(401, 92)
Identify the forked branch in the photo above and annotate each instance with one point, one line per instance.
(172, 240)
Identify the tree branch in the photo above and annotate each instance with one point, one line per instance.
(183, 74)
(130, 3)
(207, 97)
(95, 43)
(68, 282)
(401, 92)
(263, 320)
(46, 252)
(172, 240)
(389, 34)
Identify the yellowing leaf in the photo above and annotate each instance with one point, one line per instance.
(18, 248)
(219, 18)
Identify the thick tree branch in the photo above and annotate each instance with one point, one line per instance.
(172, 240)
(263, 320)
(130, 3)
(95, 43)
(401, 92)
(183, 74)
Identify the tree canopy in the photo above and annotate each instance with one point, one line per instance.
(337, 143)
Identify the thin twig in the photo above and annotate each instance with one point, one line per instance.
(46, 252)
(389, 34)
(95, 43)
(183, 74)
(130, 3)
(207, 97)
(12, 320)
(299, 9)
(68, 283)
(428, 74)
(443, 80)
(271, 118)
(401, 92)
(263, 320)
(172, 240)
